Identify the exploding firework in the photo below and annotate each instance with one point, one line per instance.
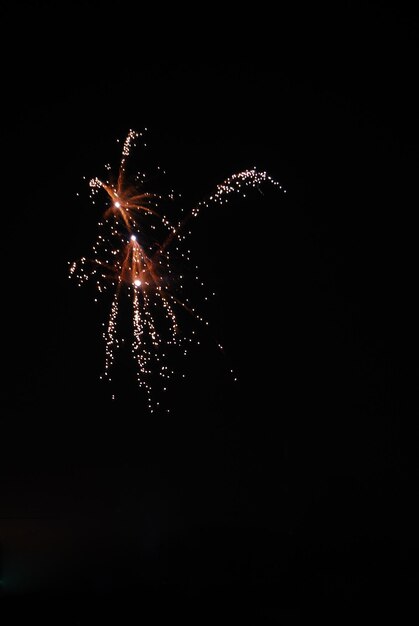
(133, 257)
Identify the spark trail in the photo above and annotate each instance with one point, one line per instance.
(132, 258)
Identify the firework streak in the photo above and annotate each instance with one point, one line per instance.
(134, 257)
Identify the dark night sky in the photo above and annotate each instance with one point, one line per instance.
(298, 485)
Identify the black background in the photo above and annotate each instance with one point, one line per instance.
(295, 488)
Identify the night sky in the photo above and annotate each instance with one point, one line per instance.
(291, 493)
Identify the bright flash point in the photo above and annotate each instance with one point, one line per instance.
(117, 204)
(133, 238)
(137, 282)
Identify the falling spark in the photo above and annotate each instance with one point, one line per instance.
(138, 266)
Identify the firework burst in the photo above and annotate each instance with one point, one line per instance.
(132, 257)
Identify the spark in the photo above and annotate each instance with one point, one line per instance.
(140, 268)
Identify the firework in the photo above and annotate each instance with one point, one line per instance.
(132, 257)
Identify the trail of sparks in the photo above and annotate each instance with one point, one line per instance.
(131, 257)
